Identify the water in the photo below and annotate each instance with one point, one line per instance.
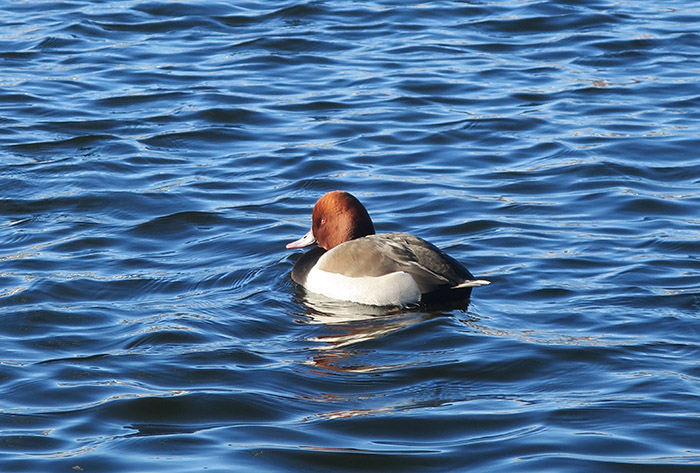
(155, 157)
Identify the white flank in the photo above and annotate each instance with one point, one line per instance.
(397, 289)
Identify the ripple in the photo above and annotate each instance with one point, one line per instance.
(157, 156)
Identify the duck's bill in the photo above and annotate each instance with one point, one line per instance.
(306, 240)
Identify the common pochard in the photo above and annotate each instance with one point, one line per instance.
(354, 264)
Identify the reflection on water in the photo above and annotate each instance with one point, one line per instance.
(324, 310)
(346, 325)
(354, 323)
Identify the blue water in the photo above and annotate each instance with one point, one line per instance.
(155, 157)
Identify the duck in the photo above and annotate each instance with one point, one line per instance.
(352, 263)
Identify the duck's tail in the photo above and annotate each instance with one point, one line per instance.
(471, 283)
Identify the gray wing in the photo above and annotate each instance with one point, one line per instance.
(376, 255)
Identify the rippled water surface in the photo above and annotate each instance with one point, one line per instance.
(155, 157)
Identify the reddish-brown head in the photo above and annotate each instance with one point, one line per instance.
(337, 217)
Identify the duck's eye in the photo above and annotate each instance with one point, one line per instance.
(323, 221)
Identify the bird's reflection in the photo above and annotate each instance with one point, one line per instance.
(342, 327)
(356, 345)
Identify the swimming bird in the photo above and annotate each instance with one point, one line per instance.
(352, 263)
